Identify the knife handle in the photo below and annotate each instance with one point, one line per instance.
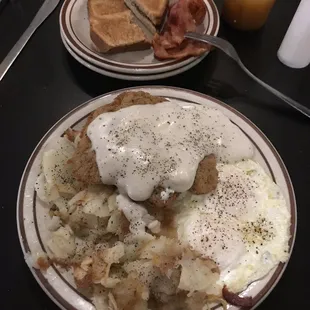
(17, 48)
(45, 10)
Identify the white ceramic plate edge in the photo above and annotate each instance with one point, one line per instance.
(128, 77)
(274, 161)
(139, 70)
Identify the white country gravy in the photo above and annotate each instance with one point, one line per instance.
(145, 146)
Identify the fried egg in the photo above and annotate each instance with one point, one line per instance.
(243, 225)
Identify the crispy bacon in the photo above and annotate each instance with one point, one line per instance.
(183, 16)
(198, 10)
(236, 300)
(180, 20)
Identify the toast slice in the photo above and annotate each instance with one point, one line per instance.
(112, 27)
(100, 8)
(140, 16)
(117, 33)
(153, 9)
(148, 12)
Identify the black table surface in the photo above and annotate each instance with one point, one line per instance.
(45, 82)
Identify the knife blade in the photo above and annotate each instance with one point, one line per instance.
(45, 10)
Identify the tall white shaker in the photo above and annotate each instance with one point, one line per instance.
(295, 48)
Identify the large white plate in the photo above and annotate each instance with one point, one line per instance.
(74, 26)
(128, 77)
(32, 214)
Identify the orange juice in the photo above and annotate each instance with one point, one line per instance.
(247, 14)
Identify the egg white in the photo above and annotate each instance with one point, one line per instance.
(243, 225)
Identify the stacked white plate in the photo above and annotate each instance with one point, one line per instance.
(32, 213)
(135, 65)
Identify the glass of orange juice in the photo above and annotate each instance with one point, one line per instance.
(247, 14)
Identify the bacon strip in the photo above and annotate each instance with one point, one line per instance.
(184, 16)
(236, 300)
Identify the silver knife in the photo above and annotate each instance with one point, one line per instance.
(45, 10)
(164, 20)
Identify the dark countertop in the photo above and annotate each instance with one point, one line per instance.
(46, 82)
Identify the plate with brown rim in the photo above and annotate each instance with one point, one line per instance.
(32, 213)
(74, 27)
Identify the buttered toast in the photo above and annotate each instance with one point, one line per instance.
(112, 27)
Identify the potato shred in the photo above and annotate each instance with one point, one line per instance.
(118, 249)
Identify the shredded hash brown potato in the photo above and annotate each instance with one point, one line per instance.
(129, 258)
(172, 250)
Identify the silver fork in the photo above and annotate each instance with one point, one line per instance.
(45, 10)
(228, 49)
